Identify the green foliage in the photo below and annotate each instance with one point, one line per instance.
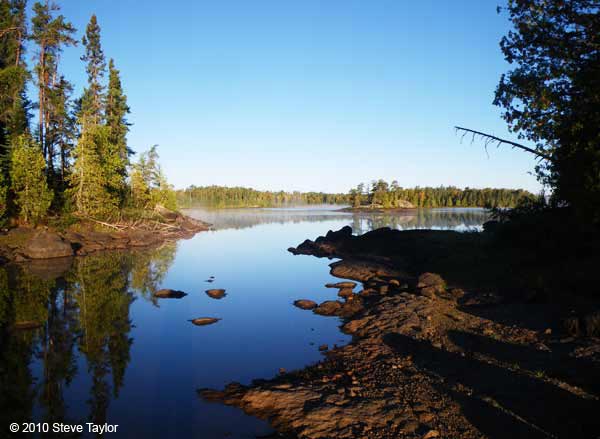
(95, 185)
(149, 185)
(93, 95)
(382, 194)
(552, 95)
(28, 180)
(220, 196)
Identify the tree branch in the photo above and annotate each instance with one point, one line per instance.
(489, 138)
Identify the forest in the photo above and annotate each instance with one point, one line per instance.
(63, 155)
(377, 194)
(221, 196)
(382, 194)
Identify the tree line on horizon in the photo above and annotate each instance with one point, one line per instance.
(73, 157)
(377, 194)
(382, 194)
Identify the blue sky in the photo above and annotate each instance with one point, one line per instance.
(309, 95)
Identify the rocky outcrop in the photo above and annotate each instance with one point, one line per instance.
(429, 360)
(47, 245)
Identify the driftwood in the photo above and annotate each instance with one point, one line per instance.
(493, 139)
(139, 224)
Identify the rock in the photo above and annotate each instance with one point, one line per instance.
(431, 434)
(346, 293)
(430, 292)
(216, 293)
(457, 293)
(431, 280)
(166, 293)
(47, 245)
(305, 304)
(323, 348)
(350, 285)
(384, 289)
(203, 321)
(394, 283)
(328, 308)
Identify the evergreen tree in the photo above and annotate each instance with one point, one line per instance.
(92, 102)
(91, 184)
(116, 112)
(32, 195)
(13, 74)
(50, 34)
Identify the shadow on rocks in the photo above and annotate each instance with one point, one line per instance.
(501, 402)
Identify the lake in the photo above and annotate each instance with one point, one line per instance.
(107, 351)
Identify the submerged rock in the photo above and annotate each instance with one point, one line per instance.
(166, 293)
(216, 293)
(346, 293)
(305, 304)
(203, 321)
(47, 245)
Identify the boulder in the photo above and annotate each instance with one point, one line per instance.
(47, 245)
(305, 304)
(167, 293)
(328, 308)
(216, 293)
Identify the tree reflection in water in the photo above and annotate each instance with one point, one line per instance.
(81, 312)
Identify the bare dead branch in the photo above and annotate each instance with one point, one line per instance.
(489, 138)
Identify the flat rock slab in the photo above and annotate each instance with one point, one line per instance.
(328, 308)
(169, 294)
(216, 293)
(203, 321)
(340, 285)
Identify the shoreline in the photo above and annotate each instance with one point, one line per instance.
(25, 244)
(429, 359)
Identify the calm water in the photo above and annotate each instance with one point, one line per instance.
(106, 351)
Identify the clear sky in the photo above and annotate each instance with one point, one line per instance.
(308, 94)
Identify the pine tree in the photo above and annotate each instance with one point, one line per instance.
(92, 102)
(50, 34)
(32, 195)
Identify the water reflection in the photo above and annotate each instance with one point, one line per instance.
(361, 222)
(84, 312)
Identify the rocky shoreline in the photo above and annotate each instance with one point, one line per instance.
(23, 244)
(429, 359)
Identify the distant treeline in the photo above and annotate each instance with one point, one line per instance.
(221, 196)
(381, 194)
(377, 194)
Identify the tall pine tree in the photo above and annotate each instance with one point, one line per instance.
(92, 102)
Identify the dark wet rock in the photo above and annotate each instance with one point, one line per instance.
(362, 270)
(203, 321)
(305, 304)
(350, 285)
(166, 293)
(47, 245)
(328, 308)
(216, 293)
(323, 348)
